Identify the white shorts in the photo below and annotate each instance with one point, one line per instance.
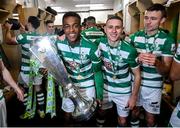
(87, 93)
(24, 79)
(150, 99)
(120, 100)
(3, 113)
(175, 117)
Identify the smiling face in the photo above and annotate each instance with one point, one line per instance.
(113, 30)
(50, 28)
(72, 29)
(152, 21)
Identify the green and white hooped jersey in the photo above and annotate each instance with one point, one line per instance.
(79, 61)
(116, 66)
(177, 54)
(92, 34)
(162, 45)
(177, 59)
(52, 37)
(26, 39)
(1, 92)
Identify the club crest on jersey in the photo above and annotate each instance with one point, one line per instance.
(83, 56)
(73, 65)
(108, 65)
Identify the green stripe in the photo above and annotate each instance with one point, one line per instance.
(86, 87)
(151, 87)
(120, 76)
(25, 64)
(26, 72)
(1, 97)
(118, 92)
(25, 56)
(153, 79)
(120, 85)
(25, 49)
(78, 81)
(149, 69)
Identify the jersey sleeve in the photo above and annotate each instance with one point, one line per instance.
(132, 58)
(21, 39)
(169, 47)
(177, 55)
(97, 68)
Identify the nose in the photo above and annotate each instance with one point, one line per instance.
(71, 29)
(114, 29)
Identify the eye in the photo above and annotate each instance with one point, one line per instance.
(110, 26)
(76, 26)
(66, 27)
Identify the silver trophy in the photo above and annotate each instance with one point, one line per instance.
(46, 53)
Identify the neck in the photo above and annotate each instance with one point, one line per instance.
(75, 43)
(150, 33)
(31, 30)
(114, 44)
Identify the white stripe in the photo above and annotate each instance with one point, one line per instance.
(96, 62)
(150, 75)
(40, 95)
(86, 68)
(139, 39)
(25, 53)
(103, 46)
(25, 60)
(152, 83)
(40, 99)
(25, 68)
(85, 77)
(160, 41)
(77, 60)
(178, 61)
(26, 45)
(148, 66)
(119, 72)
(66, 48)
(124, 54)
(86, 83)
(32, 37)
(167, 55)
(117, 81)
(135, 67)
(117, 89)
(141, 50)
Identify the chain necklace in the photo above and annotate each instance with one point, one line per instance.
(154, 45)
(74, 63)
(118, 58)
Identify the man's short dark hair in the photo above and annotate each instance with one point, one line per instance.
(114, 17)
(158, 7)
(48, 21)
(34, 21)
(71, 14)
(91, 19)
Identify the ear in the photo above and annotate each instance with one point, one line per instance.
(163, 20)
(105, 28)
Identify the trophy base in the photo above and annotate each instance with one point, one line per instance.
(86, 114)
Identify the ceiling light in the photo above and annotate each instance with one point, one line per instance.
(88, 5)
(58, 9)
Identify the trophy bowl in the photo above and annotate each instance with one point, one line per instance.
(46, 53)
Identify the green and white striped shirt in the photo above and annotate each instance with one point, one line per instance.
(92, 34)
(26, 39)
(160, 44)
(116, 66)
(79, 61)
(1, 92)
